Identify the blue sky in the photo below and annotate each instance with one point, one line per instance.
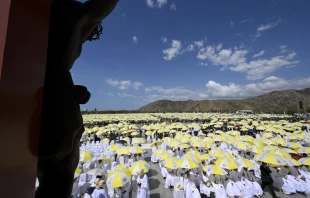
(195, 49)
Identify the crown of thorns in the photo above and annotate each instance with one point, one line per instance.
(95, 35)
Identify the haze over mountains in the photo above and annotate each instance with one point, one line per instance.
(273, 102)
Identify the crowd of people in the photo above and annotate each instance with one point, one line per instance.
(196, 160)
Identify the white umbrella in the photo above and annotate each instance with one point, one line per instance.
(96, 171)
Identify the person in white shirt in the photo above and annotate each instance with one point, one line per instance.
(153, 158)
(143, 190)
(129, 161)
(223, 146)
(100, 191)
(234, 190)
(206, 188)
(121, 159)
(219, 190)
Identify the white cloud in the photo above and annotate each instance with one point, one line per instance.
(161, 3)
(190, 48)
(125, 95)
(239, 34)
(135, 39)
(124, 84)
(203, 64)
(150, 3)
(110, 94)
(268, 26)
(219, 56)
(246, 20)
(199, 44)
(164, 39)
(112, 83)
(173, 7)
(137, 85)
(272, 83)
(176, 93)
(264, 27)
(171, 91)
(236, 60)
(259, 54)
(258, 69)
(219, 46)
(215, 90)
(231, 23)
(172, 52)
(283, 49)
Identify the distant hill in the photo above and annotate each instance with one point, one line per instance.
(276, 101)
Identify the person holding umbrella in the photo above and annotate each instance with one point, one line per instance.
(100, 191)
(143, 185)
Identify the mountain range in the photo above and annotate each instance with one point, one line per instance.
(273, 102)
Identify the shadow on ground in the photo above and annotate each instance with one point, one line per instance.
(152, 173)
(148, 159)
(154, 184)
(155, 195)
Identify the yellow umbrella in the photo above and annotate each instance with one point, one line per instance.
(226, 163)
(119, 167)
(184, 146)
(112, 148)
(171, 163)
(126, 139)
(195, 158)
(246, 138)
(184, 139)
(270, 148)
(149, 133)
(193, 152)
(165, 156)
(136, 149)
(198, 143)
(268, 141)
(234, 133)
(156, 143)
(303, 150)
(77, 172)
(256, 149)
(292, 162)
(86, 156)
(281, 153)
(245, 163)
(270, 159)
(293, 145)
(267, 135)
(136, 167)
(205, 157)
(174, 143)
(106, 159)
(117, 179)
(215, 170)
(187, 163)
(305, 161)
(138, 140)
(158, 152)
(242, 145)
(134, 133)
(123, 151)
(218, 153)
(279, 141)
